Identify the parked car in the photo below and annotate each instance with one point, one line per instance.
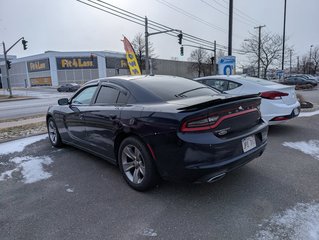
(300, 80)
(279, 102)
(156, 127)
(69, 87)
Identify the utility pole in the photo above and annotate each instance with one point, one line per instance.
(230, 28)
(146, 47)
(259, 46)
(284, 39)
(298, 64)
(215, 59)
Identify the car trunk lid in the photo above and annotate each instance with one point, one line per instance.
(224, 114)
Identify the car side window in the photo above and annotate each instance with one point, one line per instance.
(233, 85)
(107, 95)
(85, 96)
(221, 85)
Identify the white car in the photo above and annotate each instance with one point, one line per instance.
(279, 102)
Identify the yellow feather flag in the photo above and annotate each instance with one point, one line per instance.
(131, 58)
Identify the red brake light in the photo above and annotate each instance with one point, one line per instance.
(273, 95)
(209, 122)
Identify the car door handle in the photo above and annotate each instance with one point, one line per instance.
(112, 116)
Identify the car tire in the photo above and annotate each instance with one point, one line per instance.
(53, 133)
(136, 165)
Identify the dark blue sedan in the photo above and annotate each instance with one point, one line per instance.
(160, 127)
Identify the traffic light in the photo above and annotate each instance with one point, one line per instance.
(182, 51)
(8, 64)
(24, 43)
(180, 37)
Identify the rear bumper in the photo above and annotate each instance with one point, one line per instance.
(198, 158)
(271, 111)
(212, 172)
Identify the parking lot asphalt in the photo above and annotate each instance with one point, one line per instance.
(49, 193)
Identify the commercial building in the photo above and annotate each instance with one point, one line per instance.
(54, 68)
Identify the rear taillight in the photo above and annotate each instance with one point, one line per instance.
(210, 122)
(273, 95)
(199, 124)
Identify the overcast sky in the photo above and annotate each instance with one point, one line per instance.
(68, 25)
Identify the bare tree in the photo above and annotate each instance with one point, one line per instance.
(198, 57)
(138, 44)
(315, 59)
(270, 50)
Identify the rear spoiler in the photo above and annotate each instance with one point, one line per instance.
(217, 101)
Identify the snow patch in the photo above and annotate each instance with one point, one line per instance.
(300, 222)
(311, 147)
(20, 144)
(149, 232)
(70, 190)
(31, 169)
(308, 114)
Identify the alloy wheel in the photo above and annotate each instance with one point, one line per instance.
(133, 164)
(53, 132)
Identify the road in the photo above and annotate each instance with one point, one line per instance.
(23, 108)
(83, 197)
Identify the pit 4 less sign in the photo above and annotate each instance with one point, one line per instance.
(76, 63)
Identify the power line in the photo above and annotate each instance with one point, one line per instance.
(110, 12)
(226, 14)
(254, 20)
(132, 17)
(191, 16)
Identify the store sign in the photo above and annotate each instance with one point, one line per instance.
(116, 63)
(38, 65)
(41, 81)
(227, 65)
(76, 63)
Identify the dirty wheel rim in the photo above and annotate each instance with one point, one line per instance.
(52, 132)
(133, 164)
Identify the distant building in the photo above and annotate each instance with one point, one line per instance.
(55, 68)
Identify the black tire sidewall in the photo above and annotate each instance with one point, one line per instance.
(58, 141)
(151, 176)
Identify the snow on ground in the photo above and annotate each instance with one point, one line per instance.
(149, 232)
(311, 147)
(20, 144)
(308, 114)
(31, 169)
(300, 222)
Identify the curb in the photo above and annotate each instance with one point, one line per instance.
(16, 99)
(17, 138)
(315, 108)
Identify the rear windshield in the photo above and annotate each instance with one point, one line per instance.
(172, 88)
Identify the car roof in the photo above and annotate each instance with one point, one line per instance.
(243, 79)
(131, 78)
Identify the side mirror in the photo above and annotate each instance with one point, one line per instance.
(63, 101)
